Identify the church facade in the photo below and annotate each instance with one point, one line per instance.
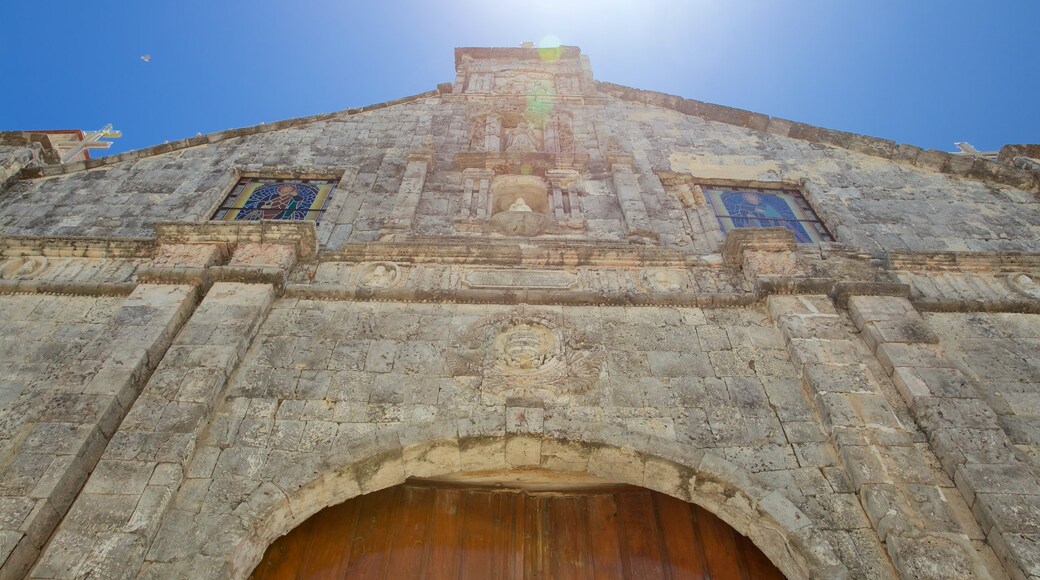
(525, 277)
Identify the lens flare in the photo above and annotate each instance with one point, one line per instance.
(549, 49)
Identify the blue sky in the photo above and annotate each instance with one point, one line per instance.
(925, 72)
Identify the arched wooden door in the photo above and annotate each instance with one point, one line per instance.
(418, 530)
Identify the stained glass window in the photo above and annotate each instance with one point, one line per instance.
(739, 207)
(255, 198)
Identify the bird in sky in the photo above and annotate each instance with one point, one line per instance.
(147, 58)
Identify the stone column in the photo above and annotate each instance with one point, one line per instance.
(920, 516)
(403, 215)
(630, 195)
(1002, 490)
(60, 449)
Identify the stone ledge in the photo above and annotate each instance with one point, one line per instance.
(249, 275)
(75, 288)
(300, 234)
(743, 240)
(964, 261)
(181, 275)
(76, 247)
(956, 305)
(501, 253)
(520, 296)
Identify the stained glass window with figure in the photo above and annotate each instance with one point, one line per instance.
(741, 207)
(255, 198)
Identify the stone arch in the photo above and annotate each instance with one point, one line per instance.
(784, 534)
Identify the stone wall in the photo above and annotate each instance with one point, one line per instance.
(1001, 354)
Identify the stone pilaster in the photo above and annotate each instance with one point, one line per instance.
(411, 189)
(566, 207)
(61, 444)
(476, 184)
(113, 520)
(915, 509)
(1002, 490)
(630, 196)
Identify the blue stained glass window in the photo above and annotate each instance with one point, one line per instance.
(766, 208)
(276, 199)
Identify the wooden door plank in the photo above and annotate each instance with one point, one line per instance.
(477, 536)
(330, 542)
(519, 537)
(720, 547)
(283, 557)
(505, 534)
(685, 554)
(640, 536)
(606, 553)
(368, 546)
(408, 538)
(534, 538)
(567, 548)
(758, 566)
(449, 511)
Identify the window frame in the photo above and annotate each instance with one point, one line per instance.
(812, 225)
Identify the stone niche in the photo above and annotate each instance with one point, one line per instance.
(519, 205)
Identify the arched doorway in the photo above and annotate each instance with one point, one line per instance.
(437, 530)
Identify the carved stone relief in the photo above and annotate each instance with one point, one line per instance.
(379, 275)
(524, 82)
(522, 353)
(23, 268)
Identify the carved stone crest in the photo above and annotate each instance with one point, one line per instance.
(522, 353)
(379, 275)
(23, 268)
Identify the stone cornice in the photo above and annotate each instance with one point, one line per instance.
(965, 166)
(994, 262)
(76, 247)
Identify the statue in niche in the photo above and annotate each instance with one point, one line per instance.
(520, 205)
(521, 139)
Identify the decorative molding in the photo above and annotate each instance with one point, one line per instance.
(542, 279)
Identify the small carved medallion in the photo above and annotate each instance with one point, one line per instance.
(379, 275)
(1024, 284)
(23, 268)
(527, 353)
